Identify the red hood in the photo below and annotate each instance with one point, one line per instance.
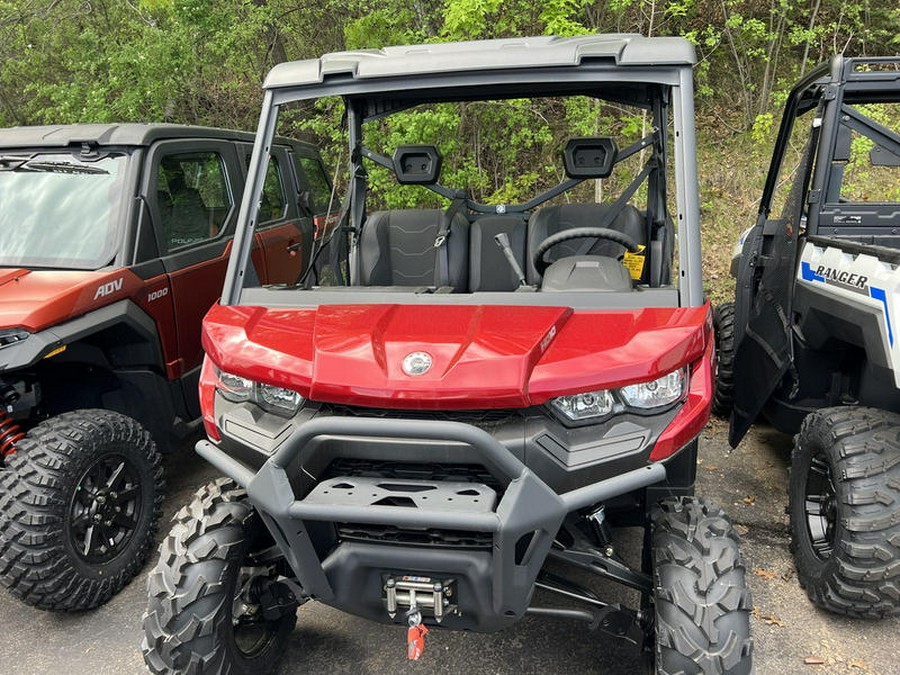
(38, 299)
(483, 356)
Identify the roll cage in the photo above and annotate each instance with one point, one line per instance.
(652, 74)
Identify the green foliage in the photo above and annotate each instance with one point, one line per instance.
(470, 19)
(193, 61)
(761, 132)
(437, 125)
(381, 27)
(202, 62)
(484, 146)
(558, 17)
(862, 180)
(378, 24)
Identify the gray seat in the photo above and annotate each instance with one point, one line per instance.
(552, 219)
(489, 270)
(396, 248)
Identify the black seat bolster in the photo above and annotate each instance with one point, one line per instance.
(374, 252)
(552, 219)
(489, 270)
(396, 248)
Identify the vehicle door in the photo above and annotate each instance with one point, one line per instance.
(190, 188)
(285, 231)
(765, 281)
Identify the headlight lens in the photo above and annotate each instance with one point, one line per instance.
(584, 406)
(12, 336)
(234, 388)
(661, 392)
(278, 400)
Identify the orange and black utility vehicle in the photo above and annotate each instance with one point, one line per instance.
(114, 241)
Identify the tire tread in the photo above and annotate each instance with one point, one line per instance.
(34, 564)
(702, 602)
(188, 586)
(863, 447)
(723, 389)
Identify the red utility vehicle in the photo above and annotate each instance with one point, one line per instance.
(115, 241)
(442, 423)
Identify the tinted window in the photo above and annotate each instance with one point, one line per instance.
(272, 206)
(319, 184)
(57, 211)
(193, 197)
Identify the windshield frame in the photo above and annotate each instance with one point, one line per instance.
(590, 78)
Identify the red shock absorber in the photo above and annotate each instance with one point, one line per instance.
(10, 434)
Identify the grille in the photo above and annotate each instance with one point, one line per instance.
(483, 419)
(431, 538)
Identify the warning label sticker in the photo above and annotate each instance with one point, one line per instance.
(635, 262)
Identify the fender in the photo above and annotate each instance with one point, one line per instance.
(851, 291)
(124, 312)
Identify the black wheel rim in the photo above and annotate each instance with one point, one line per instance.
(105, 509)
(820, 507)
(252, 636)
(251, 631)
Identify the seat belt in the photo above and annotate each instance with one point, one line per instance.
(442, 259)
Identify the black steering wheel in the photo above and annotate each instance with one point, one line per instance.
(579, 233)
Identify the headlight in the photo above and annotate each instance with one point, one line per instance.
(234, 388)
(12, 336)
(645, 396)
(278, 400)
(655, 394)
(584, 406)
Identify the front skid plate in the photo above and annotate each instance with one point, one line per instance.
(430, 494)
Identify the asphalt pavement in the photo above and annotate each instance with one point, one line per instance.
(791, 635)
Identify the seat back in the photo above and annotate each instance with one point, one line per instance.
(396, 248)
(185, 218)
(552, 219)
(488, 268)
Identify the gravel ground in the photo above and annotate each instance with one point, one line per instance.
(750, 482)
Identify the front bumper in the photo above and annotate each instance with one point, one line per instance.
(494, 582)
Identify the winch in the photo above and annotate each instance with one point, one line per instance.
(416, 594)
